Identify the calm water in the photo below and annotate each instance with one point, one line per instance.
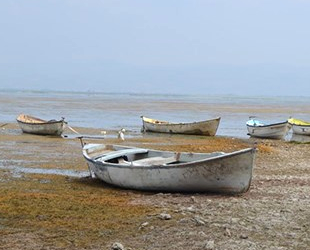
(114, 111)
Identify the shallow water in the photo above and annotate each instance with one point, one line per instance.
(112, 111)
(17, 171)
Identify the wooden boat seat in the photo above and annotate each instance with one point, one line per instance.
(158, 160)
(123, 152)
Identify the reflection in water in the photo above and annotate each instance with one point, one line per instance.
(17, 171)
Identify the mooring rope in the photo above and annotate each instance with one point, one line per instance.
(73, 130)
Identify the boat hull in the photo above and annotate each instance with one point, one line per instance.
(300, 127)
(272, 131)
(300, 138)
(301, 130)
(220, 173)
(41, 127)
(207, 127)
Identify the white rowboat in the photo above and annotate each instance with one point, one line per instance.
(146, 169)
(207, 127)
(34, 125)
(272, 131)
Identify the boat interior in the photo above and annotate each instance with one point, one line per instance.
(145, 157)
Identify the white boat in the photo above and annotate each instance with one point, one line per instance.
(207, 127)
(34, 125)
(153, 170)
(299, 127)
(257, 128)
(300, 138)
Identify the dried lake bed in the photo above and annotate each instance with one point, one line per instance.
(49, 202)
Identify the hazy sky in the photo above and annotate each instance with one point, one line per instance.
(255, 47)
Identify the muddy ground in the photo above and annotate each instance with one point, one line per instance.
(42, 210)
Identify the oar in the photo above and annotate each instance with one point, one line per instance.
(90, 137)
(84, 136)
(73, 130)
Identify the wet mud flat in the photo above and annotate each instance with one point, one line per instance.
(48, 201)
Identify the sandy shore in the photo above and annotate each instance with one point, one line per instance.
(51, 208)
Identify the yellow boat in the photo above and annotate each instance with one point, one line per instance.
(299, 127)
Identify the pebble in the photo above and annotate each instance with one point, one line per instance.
(209, 245)
(117, 246)
(202, 234)
(164, 216)
(191, 209)
(143, 225)
(234, 220)
(184, 220)
(199, 221)
(227, 232)
(243, 236)
(193, 199)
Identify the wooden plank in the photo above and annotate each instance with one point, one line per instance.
(159, 160)
(119, 153)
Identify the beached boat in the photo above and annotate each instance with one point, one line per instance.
(153, 170)
(34, 125)
(273, 131)
(300, 138)
(207, 127)
(299, 127)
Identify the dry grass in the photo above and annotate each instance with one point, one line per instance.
(78, 210)
(265, 148)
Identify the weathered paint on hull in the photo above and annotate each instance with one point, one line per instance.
(43, 129)
(300, 138)
(301, 130)
(207, 128)
(277, 131)
(33, 125)
(227, 173)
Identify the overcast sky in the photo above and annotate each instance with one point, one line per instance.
(255, 47)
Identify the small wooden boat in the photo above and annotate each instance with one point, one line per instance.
(207, 127)
(299, 127)
(153, 170)
(273, 131)
(33, 125)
